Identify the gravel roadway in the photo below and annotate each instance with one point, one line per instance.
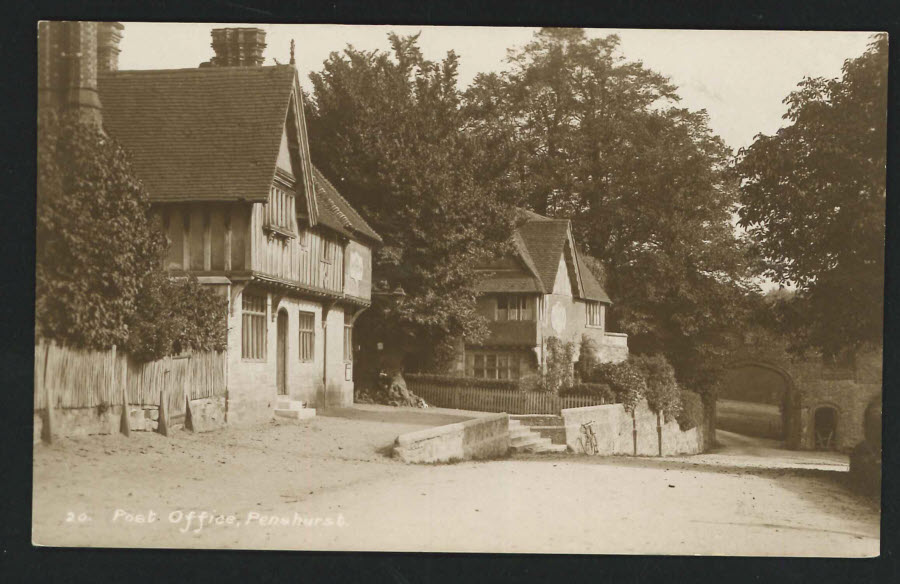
(328, 484)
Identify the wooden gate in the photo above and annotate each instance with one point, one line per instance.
(176, 387)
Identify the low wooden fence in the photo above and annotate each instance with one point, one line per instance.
(482, 399)
(68, 378)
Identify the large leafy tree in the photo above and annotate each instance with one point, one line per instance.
(576, 131)
(813, 200)
(94, 239)
(99, 275)
(385, 127)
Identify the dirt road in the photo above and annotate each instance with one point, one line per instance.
(326, 484)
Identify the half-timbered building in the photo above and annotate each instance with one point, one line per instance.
(223, 152)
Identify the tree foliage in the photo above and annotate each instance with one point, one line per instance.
(94, 239)
(587, 357)
(386, 127)
(813, 200)
(99, 271)
(576, 131)
(174, 316)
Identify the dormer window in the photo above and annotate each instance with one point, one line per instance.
(281, 211)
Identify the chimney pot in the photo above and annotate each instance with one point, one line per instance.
(109, 34)
(238, 47)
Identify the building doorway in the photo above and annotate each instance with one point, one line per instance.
(825, 427)
(281, 352)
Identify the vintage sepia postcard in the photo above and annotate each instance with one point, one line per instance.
(459, 289)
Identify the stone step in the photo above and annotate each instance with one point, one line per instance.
(284, 403)
(538, 445)
(517, 432)
(524, 441)
(295, 414)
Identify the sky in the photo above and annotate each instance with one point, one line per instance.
(739, 77)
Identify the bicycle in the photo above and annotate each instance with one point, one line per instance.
(588, 440)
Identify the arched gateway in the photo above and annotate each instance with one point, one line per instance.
(765, 390)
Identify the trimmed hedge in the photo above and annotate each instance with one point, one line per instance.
(625, 380)
(459, 381)
(691, 412)
(662, 393)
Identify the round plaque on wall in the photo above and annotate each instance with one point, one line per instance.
(558, 318)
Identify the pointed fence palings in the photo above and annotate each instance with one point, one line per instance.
(67, 378)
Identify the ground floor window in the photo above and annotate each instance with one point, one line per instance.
(492, 365)
(253, 327)
(348, 337)
(307, 335)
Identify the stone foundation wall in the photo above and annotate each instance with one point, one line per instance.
(91, 421)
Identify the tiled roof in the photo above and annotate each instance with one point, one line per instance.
(545, 241)
(524, 254)
(508, 284)
(212, 134)
(336, 212)
(200, 134)
(592, 288)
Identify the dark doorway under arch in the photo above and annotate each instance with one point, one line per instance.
(825, 425)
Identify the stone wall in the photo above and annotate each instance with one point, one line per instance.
(91, 421)
(614, 428)
(812, 384)
(614, 348)
(483, 437)
(848, 397)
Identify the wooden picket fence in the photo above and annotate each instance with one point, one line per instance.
(77, 378)
(510, 401)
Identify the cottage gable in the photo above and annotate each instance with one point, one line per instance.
(563, 283)
(284, 163)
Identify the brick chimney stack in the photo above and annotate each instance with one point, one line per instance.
(67, 68)
(109, 34)
(238, 47)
